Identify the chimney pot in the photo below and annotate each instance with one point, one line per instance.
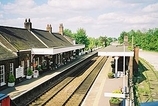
(28, 25)
(49, 28)
(61, 29)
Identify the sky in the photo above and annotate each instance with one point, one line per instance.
(97, 17)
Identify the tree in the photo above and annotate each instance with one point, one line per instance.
(103, 40)
(81, 37)
(92, 43)
(69, 33)
(109, 40)
(146, 40)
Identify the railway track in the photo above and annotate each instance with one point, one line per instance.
(72, 90)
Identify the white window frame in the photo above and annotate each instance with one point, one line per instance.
(22, 63)
(28, 63)
(37, 61)
(2, 75)
(11, 66)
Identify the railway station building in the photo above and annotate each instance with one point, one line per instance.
(42, 50)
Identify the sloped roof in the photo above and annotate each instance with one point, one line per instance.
(7, 44)
(115, 50)
(71, 40)
(6, 54)
(51, 39)
(20, 38)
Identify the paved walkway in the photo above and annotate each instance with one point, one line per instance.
(94, 98)
(27, 85)
(151, 57)
(102, 84)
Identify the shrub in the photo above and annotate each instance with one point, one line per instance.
(29, 72)
(117, 91)
(115, 100)
(39, 67)
(110, 75)
(11, 78)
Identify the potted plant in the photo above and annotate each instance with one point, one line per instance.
(110, 75)
(29, 73)
(39, 67)
(115, 101)
(11, 80)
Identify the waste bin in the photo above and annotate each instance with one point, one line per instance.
(4, 100)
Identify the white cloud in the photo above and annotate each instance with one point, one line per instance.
(19, 4)
(88, 4)
(80, 19)
(151, 8)
(108, 17)
(75, 4)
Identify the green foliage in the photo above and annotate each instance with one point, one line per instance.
(11, 78)
(115, 100)
(92, 43)
(29, 72)
(81, 37)
(110, 75)
(117, 91)
(69, 33)
(147, 40)
(39, 67)
(103, 40)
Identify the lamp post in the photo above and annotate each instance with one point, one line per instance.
(124, 68)
(132, 42)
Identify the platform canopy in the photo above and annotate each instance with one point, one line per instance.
(115, 50)
(52, 51)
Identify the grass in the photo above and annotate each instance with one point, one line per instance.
(146, 82)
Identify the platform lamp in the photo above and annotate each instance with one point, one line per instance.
(124, 61)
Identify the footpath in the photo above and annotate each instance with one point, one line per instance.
(96, 97)
(27, 85)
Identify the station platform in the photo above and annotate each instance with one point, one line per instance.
(103, 84)
(29, 84)
(95, 96)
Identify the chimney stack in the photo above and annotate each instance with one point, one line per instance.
(49, 28)
(28, 24)
(61, 29)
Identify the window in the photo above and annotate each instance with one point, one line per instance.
(28, 63)
(11, 68)
(22, 63)
(2, 75)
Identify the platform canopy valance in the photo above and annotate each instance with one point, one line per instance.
(52, 51)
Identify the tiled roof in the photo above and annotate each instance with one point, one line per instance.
(20, 38)
(71, 40)
(6, 54)
(7, 44)
(51, 39)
